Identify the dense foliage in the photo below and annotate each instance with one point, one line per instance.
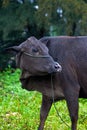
(19, 109)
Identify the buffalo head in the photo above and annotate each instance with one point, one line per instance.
(33, 58)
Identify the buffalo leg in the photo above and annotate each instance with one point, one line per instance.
(45, 108)
(73, 105)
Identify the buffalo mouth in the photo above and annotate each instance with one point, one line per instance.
(54, 68)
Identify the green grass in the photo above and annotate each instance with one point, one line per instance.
(20, 109)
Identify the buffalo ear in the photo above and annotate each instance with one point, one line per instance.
(44, 41)
(13, 49)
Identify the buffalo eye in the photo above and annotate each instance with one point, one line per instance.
(35, 50)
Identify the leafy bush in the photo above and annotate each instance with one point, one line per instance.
(19, 109)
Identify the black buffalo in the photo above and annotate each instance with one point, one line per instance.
(69, 84)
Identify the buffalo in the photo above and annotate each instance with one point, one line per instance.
(64, 59)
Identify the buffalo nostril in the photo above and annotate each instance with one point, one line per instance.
(58, 67)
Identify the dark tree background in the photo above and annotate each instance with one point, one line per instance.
(20, 19)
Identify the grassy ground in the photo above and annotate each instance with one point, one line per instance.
(19, 109)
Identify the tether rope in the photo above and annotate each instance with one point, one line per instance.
(55, 104)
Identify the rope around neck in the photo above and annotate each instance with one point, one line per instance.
(34, 56)
(55, 104)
